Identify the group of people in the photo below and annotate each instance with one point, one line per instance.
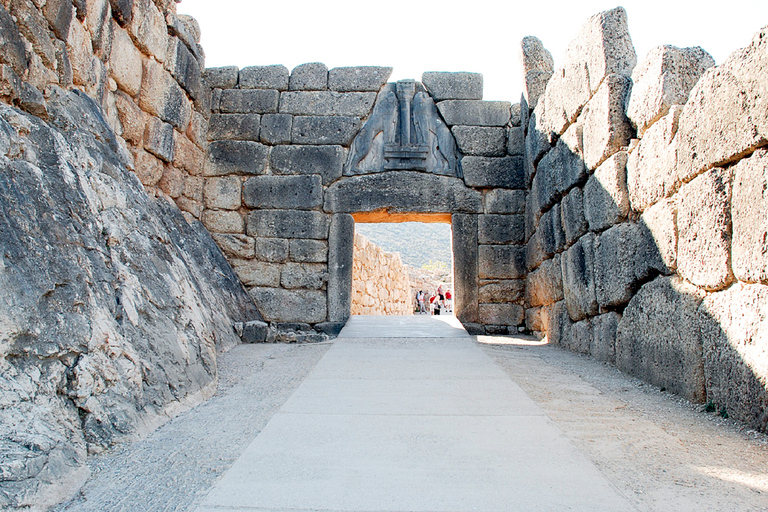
(435, 303)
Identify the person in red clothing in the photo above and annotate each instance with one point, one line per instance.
(449, 301)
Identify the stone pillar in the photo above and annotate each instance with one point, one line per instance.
(465, 251)
(340, 256)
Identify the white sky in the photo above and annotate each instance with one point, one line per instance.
(447, 35)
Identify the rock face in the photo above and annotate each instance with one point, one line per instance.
(380, 281)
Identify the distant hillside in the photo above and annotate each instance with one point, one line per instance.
(417, 242)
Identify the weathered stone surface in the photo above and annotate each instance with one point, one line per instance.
(264, 77)
(309, 251)
(545, 285)
(358, 79)
(504, 201)
(340, 260)
(161, 96)
(704, 230)
(490, 172)
(605, 126)
(274, 250)
(132, 119)
(59, 14)
(197, 131)
(749, 213)
(548, 239)
(184, 66)
(35, 29)
(534, 321)
(172, 182)
(558, 323)
(659, 337)
(327, 103)
(223, 221)
(501, 229)
(84, 65)
(559, 170)
(327, 161)
(288, 224)
(606, 199)
(257, 273)
(276, 128)
(727, 113)
(626, 256)
(158, 139)
(603, 347)
(254, 332)
(312, 76)
(475, 112)
(311, 276)
(465, 258)
(501, 262)
(148, 29)
(249, 101)
(125, 63)
(734, 328)
(221, 78)
(516, 141)
(502, 292)
(501, 314)
(187, 155)
(572, 212)
(234, 127)
(664, 78)
(453, 86)
(122, 11)
(235, 246)
(579, 337)
(235, 157)
(284, 192)
(661, 221)
(481, 140)
(334, 130)
(538, 67)
(223, 193)
(149, 168)
(578, 267)
(402, 191)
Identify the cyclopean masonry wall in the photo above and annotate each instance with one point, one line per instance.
(295, 158)
(380, 281)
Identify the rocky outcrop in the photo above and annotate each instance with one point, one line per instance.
(380, 281)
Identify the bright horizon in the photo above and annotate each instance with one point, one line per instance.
(445, 36)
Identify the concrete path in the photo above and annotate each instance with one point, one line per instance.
(387, 422)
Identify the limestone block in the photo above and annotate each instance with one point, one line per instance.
(358, 79)
(312, 276)
(59, 14)
(132, 119)
(274, 250)
(566, 93)
(193, 188)
(148, 29)
(257, 273)
(572, 212)
(183, 66)
(558, 323)
(255, 332)
(544, 286)
(559, 170)
(664, 78)
(222, 193)
(235, 157)
(276, 128)
(191, 207)
(606, 128)
(727, 113)
(749, 212)
(501, 314)
(308, 251)
(475, 112)
(172, 182)
(548, 239)
(481, 140)
(221, 78)
(161, 96)
(218, 221)
(235, 246)
(288, 224)
(538, 67)
(264, 77)
(402, 192)
(333, 130)
(312, 76)
(580, 337)
(504, 201)
(35, 29)
(516, 141)
(81, 57)
(327, 161)
(185, 28)
(703, 223)
(158, 139)
(149, 168)
(603, 347)
(340, 261)
(501, 262)
(249, 101)
(64, 69)
(122, 11)
(659, 337)
(578, 267)
(501, 229)
(465, 264)
(284, 192)
(187, 156)
(606, 199)
(534, 320)
(516, 117)
(502, 292)
(537, 142)
(625, 256)
(198, 130)
(453, 86)
(661, 221)
(234, 127)
(491, 172)
(327, 103)
(278, 305)
(734, 327)
(125, 63)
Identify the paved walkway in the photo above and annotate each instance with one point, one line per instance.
(409, 414)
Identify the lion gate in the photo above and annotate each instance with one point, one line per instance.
(295, 159)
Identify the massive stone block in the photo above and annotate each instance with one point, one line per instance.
(557, 323)
(163, 97)
(548, 239)
(340, 259)
(122, 11)
(249, 101)
(501, 262)
(664, 78)
(559, 170)
(158, 139)
(309, 251)
(475, 112)
(659, 337)
(402, 191)
(234, 127)
(358, 79)
(327, 161)
(572, 212)
(501, 229)
(35, 29)
(184, 67)
(704, 228)
(284, 192)
(544, 286)
(749, 214)
(288, 224)
(453, 86)
(578, 267)
(223, 193)
(149, 29)
(59, 14)
(257, 273)
(223, 222)
(734, 329)
(538, 67)
(279, 305)
(312, 76)
(276, 129)
(274, 250)
(221, 78)
(335, 130)
(235, 157)
(465, 259)
(604, 327)
(327, 103)
(661, 221)
(504, 201)
(501, 314)
(516, 141)
(264, 77)
(312, 276)
(235, 246)
(502, 292)
(606, 199)
(489, 172)
(605, 126)
(481, 140)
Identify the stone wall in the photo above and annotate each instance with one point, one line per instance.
(380, 282)
(646, 218)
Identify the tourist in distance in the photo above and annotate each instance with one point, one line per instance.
(449, 301)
